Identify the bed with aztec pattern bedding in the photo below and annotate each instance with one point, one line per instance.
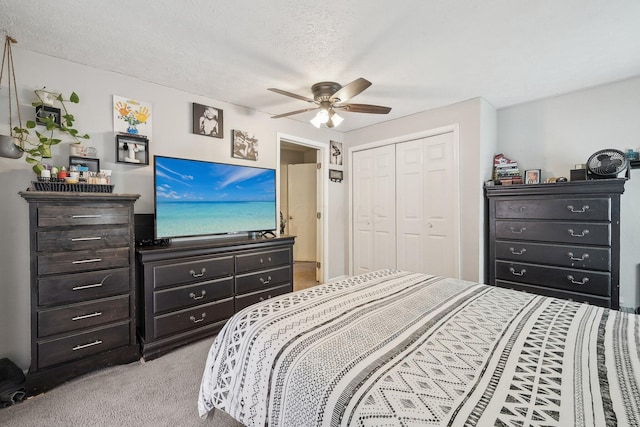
(398, 348)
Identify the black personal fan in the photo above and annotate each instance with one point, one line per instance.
(607, 163)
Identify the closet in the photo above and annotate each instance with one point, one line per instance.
(405, 202)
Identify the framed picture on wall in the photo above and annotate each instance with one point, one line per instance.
(207, 121)
(532, 176)
(243, 145)
(335, 156)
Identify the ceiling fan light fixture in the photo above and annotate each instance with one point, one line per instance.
(321, 118)
(336, 119)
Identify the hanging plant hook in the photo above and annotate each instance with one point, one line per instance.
(7, 146)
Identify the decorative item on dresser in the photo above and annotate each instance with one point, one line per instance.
(560, 240)
(82, 294)
(187, 290)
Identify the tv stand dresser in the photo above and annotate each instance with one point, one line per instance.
(82, 292)
(558, 239)
(188, 289)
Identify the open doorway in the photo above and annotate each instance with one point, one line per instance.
(302, 207)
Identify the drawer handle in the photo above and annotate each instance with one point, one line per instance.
(575, 282)
(85, 216)
(201, 319)
(582, 258)
(194, 274)
(94, 285)
(262, 298)
(87, 316)
(573, 234)
(91, 344)
(513, 251)
(196, 298)
(262, 260)
(265, 282)
(85, 261)
(584, 209)
(517, 273)
(519, 209)
(85, 239)
(522, 229)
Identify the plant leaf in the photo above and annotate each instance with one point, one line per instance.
(74, 98)
(31, 124)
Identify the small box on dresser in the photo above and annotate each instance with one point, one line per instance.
(82, 276)
(559, 239)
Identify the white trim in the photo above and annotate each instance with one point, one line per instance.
(324, 188)
(453, 128)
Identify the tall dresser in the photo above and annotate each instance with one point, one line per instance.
(560, 239)
(82, 284)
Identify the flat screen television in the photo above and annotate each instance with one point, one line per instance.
(199, 198)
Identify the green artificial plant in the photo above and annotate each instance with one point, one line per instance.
(41, 147)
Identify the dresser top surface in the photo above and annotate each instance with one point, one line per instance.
(57, 196)
(600, 186)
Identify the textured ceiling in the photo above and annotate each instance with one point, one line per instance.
(419, 54)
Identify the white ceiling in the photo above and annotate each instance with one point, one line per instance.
(419, 54)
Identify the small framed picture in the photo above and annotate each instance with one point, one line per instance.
(336, 153)
(44, 111)
(92, 164)
(207, 121)
(335, 175)
(244, 146)
(532, 176)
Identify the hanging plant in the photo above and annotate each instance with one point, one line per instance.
(41, 147)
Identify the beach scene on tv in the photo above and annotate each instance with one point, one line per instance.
(196, 198)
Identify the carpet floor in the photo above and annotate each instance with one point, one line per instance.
(161, 392)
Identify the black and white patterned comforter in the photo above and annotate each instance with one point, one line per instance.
(398, 348)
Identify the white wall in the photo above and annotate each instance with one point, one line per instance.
(476, 121)
(556, 133)
(171, 136)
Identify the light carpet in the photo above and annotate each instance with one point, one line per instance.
(161, 392)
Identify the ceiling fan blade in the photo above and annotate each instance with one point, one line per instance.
(292, 95)
(291, 113)
(364, 108)
(350, 90)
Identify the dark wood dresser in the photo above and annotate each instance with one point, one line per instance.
(187, 290)
(82, 293)
(560, 239)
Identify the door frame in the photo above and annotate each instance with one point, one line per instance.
(323, 195)
(453, 128)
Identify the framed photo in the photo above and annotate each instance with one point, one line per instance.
(532, 176)
(132, 149)
(244, 146)
(92, 164)
(335, 175)
(335, 157)
(44, 111)
(207, 121)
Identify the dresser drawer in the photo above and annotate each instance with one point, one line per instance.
(82, 286)
(252, 298)
(587, 257)
(69, 262)
(579, 209)
(588, 282)
(557, 293)
(185, 296)
(551, 231)
(80, 316)
(60, 350)
(58, 216)
(192, 271)
(262, 279)
(87, 238)
(193, 318)
(261, 260)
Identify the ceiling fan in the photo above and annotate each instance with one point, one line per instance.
(331, 96)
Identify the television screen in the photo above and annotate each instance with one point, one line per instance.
(195, 198)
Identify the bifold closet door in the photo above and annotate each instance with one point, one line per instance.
(374, 223)
(426, 206)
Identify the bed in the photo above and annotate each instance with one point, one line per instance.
(395, 348)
